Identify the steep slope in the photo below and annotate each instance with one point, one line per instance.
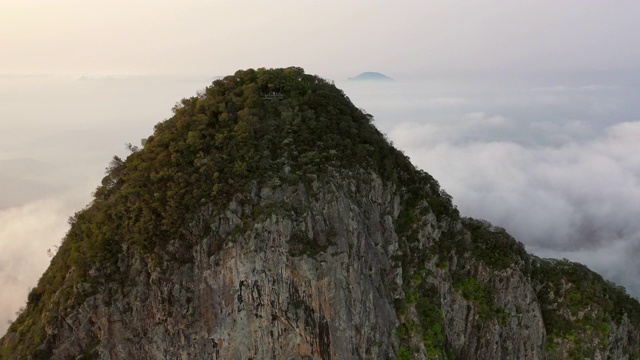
(268, 218)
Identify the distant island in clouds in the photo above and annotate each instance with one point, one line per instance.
(371, 76)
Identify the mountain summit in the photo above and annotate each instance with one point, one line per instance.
(269, 219)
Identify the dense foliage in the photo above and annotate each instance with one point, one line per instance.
(278, 127)
(494, 246)
(264, 126)
(579, 307)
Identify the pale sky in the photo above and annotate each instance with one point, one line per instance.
(335, 38)
(526, 112)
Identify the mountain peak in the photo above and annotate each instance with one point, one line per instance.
(267, 218)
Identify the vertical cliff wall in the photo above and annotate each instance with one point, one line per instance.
(253, 227)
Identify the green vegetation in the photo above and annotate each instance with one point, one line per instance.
(494, 246)
(218, 144)
(471, 289)
(432, 323)
(404, 354)
(231, 139)
(579, 307)
(420, 294)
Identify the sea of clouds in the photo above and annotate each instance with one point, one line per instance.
(554, 160)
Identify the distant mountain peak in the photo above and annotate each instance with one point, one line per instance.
(371, 76)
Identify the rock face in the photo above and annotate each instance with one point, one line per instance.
(348, 260)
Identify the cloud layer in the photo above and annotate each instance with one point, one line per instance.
(26, 233)
(557, 165)
(198, 36)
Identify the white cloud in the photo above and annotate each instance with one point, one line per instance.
(565, 88)
(479, 118)
(26, 232)
(558, 168)
(575, 200)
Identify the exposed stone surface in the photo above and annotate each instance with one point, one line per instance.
(252, 293)
(316, 257)
(257, 295)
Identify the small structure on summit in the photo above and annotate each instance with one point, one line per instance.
(273, 96)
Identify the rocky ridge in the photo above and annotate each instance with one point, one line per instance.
(252, 228)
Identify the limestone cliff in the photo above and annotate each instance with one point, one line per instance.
(254, 226)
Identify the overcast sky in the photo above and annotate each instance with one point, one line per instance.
(527, 112)
(335, 38)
